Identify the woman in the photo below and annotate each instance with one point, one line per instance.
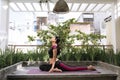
(56, 65)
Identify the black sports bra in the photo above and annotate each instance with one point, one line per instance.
(50, 52)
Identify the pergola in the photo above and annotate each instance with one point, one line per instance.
(74, 5)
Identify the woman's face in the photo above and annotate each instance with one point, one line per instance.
(53, 39)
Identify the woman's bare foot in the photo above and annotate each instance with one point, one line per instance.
(90, 67)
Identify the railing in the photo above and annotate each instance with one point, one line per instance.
(23, 48)
(33, 47)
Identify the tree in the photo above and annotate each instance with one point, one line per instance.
(62, 30)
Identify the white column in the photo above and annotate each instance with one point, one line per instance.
(116, 27)
(113, 35)
(4, 13)
(0, 14)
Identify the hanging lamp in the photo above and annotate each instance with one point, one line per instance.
(61, 7)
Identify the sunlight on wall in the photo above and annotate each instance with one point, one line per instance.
(22, 26)
(0, 14)
(64, 17)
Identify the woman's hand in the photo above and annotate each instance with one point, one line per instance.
(55, 70)
(51, 70)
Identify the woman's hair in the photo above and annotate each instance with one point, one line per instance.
(57, 39)
(58, 45)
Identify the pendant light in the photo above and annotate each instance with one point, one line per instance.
(61, 7)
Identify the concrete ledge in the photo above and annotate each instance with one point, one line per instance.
(111, 67)
(8, 70)
(65, 77)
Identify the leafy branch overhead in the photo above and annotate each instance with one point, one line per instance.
(87, 39)
(63, 31)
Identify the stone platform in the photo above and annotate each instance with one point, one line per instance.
(30, 71)
(33, 73)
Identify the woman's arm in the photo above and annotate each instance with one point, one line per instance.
(53, 59)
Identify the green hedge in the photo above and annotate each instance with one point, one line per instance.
(9, 57)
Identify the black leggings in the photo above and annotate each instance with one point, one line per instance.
(62, 66)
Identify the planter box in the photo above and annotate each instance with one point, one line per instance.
(30, 71)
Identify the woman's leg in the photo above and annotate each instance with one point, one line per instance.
(66, 67)
(45, 67)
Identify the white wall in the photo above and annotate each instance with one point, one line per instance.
(19, 21)
(20, 25)
(98, 19)
(21, 18)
